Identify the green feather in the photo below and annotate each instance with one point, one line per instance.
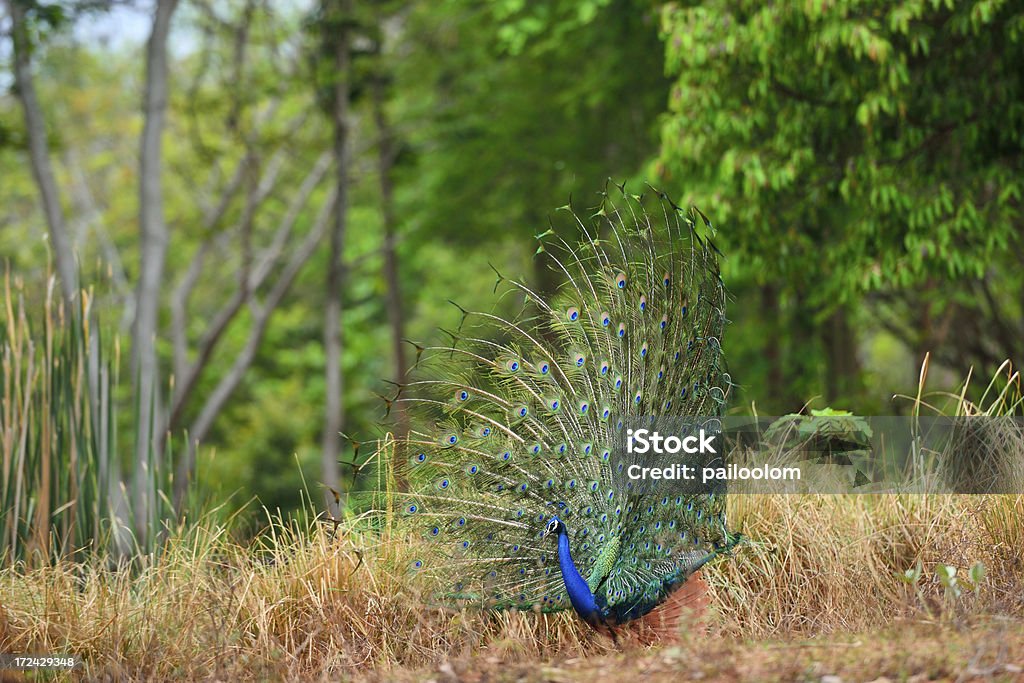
(514, 421)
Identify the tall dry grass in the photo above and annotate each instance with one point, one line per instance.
(57, 428)
(827, 563)
(309, 600)
(61, 491)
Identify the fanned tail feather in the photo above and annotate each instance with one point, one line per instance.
(516, 419)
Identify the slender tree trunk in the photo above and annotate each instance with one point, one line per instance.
(842, 365)
(153, 249)
(337, 15)
(770, 315)
(396, 319)
(802, 334)
(39, 153)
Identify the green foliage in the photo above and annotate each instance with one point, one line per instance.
(858, 149)
(955, 585)
(513, 107)
(824, 424)
(862, 127)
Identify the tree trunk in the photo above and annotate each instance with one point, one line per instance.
(39, 154)
(842, 366)
(337, 14)
(777, 392)
(153, 249)
(385, 161)
(801, 335)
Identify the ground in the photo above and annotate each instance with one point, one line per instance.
(910, 652)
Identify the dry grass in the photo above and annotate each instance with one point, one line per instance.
(306, 604)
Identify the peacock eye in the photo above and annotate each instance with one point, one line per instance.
(664, 321)
(580, 359)
(606, 320)
(512, 365)
(523, 411)
(544, 367)
(572, 313)
(462, 395)
(620, 280)
(666, 280)
(643, 303)
(421, 457)
(622, 330)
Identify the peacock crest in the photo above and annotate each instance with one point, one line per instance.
(510, 469)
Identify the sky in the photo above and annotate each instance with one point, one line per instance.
(123, 26)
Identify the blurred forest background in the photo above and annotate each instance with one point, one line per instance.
(255, 201)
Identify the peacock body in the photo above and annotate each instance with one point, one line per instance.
(513, 485)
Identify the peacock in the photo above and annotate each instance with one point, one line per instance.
(510, 474)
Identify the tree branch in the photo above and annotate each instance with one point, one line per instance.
(229, 382)
(189, 375)
(39, 154)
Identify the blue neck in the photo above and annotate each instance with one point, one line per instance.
(579, 592)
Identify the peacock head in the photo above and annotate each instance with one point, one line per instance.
(555, 527)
